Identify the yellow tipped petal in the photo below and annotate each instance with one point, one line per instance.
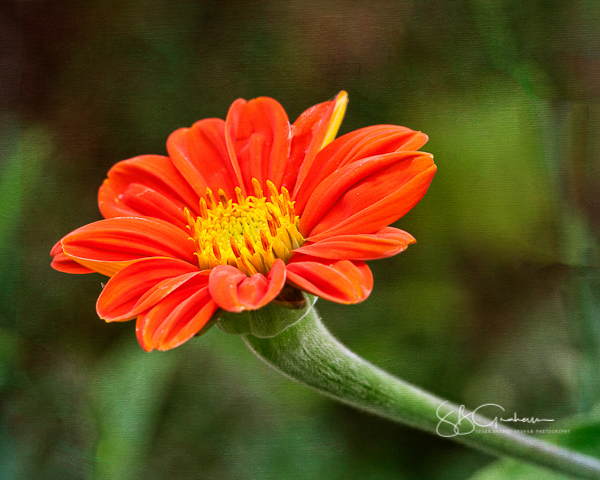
(339, 111)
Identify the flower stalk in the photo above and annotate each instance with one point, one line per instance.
(308, 354)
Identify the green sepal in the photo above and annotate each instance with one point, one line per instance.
(266, 322)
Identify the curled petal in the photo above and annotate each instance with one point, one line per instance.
(150, 203)
(386, 242)
(311, 132)
(111, 205)
(177, 317)
(110, 245)
(258, 138)
(62, 263)
(149, 279)
(233, 291)
(200, 154)
(152, 172)
(363, 143)
(341, 281)
(367, 195)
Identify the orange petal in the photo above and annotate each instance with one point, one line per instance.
(231, 124)
(110, 204)
(200, 154)
(109, 245)
(328, 192)
(362, 143)
(154, 172)
(367, 195)
(165, 287)
(62, 263)
(313, 129)
(150, 203)
(56, 249)
(341, 281)
(235, 292)
(177, 317)
(258, 135)
(123, 292)
(382, 244)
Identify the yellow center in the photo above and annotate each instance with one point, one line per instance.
(250, 233)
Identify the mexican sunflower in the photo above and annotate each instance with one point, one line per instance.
(244, 211)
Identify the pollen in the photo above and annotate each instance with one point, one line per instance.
(248, 232)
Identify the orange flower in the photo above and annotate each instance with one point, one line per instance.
(242, 207)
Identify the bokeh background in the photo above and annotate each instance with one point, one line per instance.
(498, 302)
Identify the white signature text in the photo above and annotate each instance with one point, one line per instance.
(459, 421)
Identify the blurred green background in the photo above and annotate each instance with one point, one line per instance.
(498, 302)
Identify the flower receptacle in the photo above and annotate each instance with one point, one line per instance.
(266, 322)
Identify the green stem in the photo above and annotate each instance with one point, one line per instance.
(307, 353)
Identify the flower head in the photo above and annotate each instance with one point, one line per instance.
(243, 210)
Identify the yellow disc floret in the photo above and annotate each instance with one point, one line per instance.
(249, 233)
